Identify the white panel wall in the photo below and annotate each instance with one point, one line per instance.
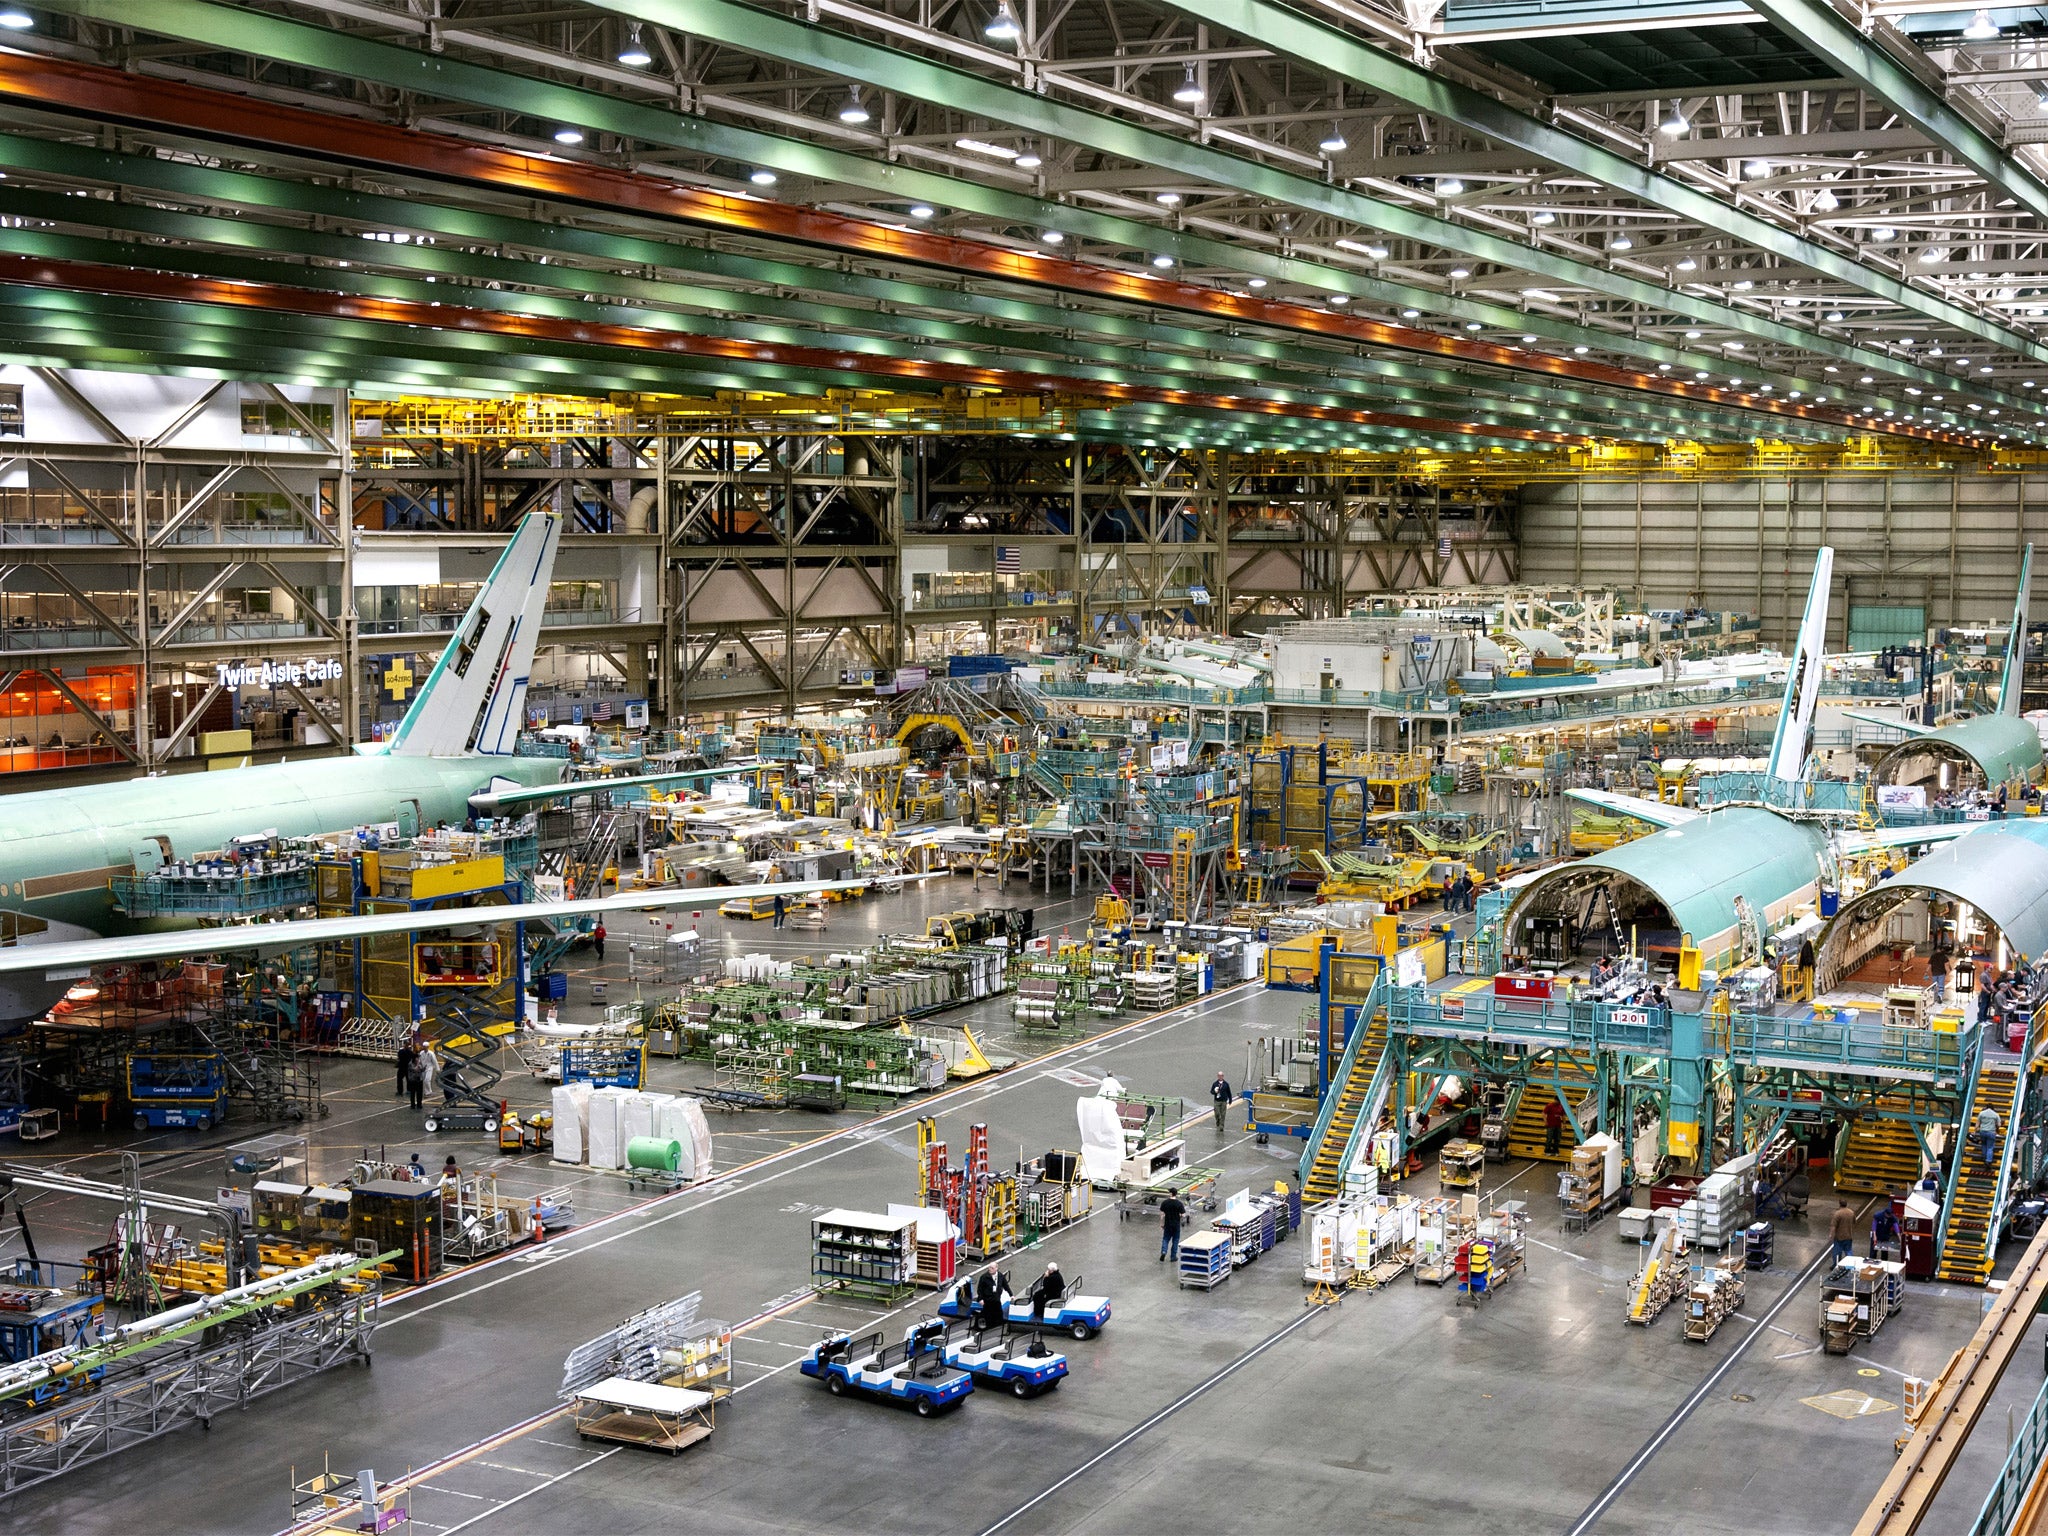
(1950, 542)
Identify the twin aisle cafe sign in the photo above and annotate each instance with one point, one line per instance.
(274, 674)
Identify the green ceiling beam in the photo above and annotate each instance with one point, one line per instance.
(275, 37)
(1630, 412)
(1342, 54)
(483, 279)
(195, 333)
(1822, 31)
(815, 46)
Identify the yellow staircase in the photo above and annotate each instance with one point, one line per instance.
(1183, 874)
(1326, 1174)
(1878, 1156)
(1525, 1131)
(1967, 1239)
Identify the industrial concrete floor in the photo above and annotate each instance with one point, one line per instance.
(1237, 1410)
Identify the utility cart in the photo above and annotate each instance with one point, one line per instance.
(1204, 1260)
(1082, 1316)
(1012, 1362)
(1461, 1164)
(644, 1413)
(913, 1372)
(1856, 1300)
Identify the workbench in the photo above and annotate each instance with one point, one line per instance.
(644, 1413)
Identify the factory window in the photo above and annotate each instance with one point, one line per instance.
(266, 418)
(10, 411)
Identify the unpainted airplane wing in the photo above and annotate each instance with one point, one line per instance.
(1907, 837)
(75, 955)
(1655, 812)
(640, 781)
(1903, 727)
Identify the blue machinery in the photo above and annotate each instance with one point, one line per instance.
(1716, 1083)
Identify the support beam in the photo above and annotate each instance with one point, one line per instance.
(1821, 29)
(1288, 32)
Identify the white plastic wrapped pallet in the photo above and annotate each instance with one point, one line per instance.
(571, 1104)
(682, 1120)
(607, 1149)
(636, 1116)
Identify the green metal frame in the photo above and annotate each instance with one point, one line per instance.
(1343, 55)
(760, 32)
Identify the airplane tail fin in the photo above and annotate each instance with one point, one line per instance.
(1794, 737)
(2013, 682)
(474, 700)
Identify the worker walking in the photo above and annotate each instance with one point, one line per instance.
(1987, 1134)
(597, 940)
(405, 1059)
(1171, 1214)
(1553, 1125)
(1219, 1095)
(781, 909)
(1842, 1228)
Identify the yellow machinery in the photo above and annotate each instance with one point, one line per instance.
(1114, 914)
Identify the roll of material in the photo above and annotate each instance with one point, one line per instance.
(660, 1152)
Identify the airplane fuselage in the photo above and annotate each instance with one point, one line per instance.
(60, 847)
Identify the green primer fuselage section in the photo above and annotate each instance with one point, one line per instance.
(59, 847)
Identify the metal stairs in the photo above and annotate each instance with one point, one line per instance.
(1878, 1155)
(1525, 1129)
(1323, 1178)
(1975, 1208)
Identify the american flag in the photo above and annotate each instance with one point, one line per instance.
(604, 709)
(1009, 560)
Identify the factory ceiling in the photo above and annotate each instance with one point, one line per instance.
(1334, 223)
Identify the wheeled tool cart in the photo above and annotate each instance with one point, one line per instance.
(1204, 1260)
(1857, 1299)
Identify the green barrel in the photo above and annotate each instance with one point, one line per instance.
(660, 1152)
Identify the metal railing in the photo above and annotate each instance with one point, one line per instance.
(1751, 1039)
(2009, 1489)
(1334, 1090)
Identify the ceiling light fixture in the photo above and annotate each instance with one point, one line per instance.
(1051, 236)
(922, 210)
(1621, 243)
(1333, 141)
(1542, 218)
(1687, 264)
(1162, 261)
(1029, 161)
(568, 135)
(16, 20)
(1002, 27)
(853, 114)
(635, 55)
(1167, 199)
(1756, 170)
(762, 178)
(1675, 126)
(983, 147)
(1449, 186)
(1189, 93)
(1980, 28)
(1459, 274)
(1884, 232)
(1340, 298)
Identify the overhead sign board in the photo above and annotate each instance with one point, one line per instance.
(276, 674)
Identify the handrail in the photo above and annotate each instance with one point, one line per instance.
(1749, 1039)
(1335, 1088)
(2014, 1489)
(1909, 1489)
(1957, 1163)
(1367, 1123)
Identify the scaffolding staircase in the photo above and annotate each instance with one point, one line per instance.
(1525, 1128)
(1356, 1102)
(1879, 1155)
(1975, 1207)
(1183, 874)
